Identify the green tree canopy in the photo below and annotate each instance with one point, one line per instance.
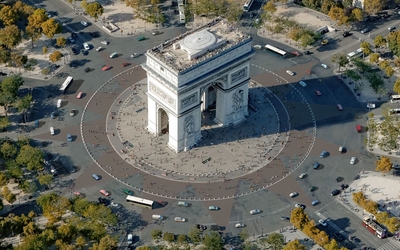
(213, 241)
(276, 240)
(396, 86)
(294, 245)
(8, 15)
(31, 157)
(8, 150)
(94, 10)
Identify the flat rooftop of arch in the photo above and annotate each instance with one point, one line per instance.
(198, 45)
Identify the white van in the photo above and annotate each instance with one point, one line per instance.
(130, 239)
(180, 219)
(157, 217)
(51, 130)
(183, 204)
(59, 103)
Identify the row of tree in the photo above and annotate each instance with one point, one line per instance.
(390, 222)
(384, 133)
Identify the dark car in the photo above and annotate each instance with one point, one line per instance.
(84, 52)
(73, 34)
(346, 34)
(335, 192)
(344, 186)
(87, 69)
(338, 236)
(73, 64)
(94, 34)
(75, 51)
(3, 74)
(307, 52)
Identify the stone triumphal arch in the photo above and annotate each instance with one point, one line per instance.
(202, 69)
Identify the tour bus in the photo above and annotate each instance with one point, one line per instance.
(395, 98)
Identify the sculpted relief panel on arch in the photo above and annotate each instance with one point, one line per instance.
(238, 75)
(189, 100)
(162, 95)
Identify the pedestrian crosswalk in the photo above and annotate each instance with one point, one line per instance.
(391, 245)
(67, 17)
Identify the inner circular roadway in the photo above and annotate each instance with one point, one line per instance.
(235, 161)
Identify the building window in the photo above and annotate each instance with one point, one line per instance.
(162, 69)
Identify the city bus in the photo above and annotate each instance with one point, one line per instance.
(355, 54)
(247, 5)
(275, 51)
(139, 201)
(394, 111)
(374, 227)
(66, 83)
(395, 98)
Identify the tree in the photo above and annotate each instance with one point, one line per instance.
(244, 235)
(306, 39)
(8, 150)
(100, 213)
(23, 140)
(144, 248)
(321, 238)
(31, 157)
(213, 241)
(35, 21)
(270, 7)
(156, 234)
(44, 50)
(51, 27)
(389, 71)
(340, 59)
(298, 218)
(235, 11)
(8, 15)
(182, 238)
(45, 179)
(373, 6)
(366, 48)
(53, 205)
(94, 10)
(384, 64)
(45, 71)
(332, 245)
(396, 87)
(84, 4)
(354, 76)
(24, 103)
(80, 242)
(359, 197)
(61, 41)
(383, 165)
(379, 41)
(313, 4)
(357, 14)
(276, 240)
(10, 197)
(106, 242)
(9, 90)
(3, 179)
(194, 235)
(30, 228)
(336, 13)
(55, 56)
(10, 36)
(28, 187)
(169, 237)
(18, 59)
(374, 58)
(4, 55)
(67, 232)
(4, 122)
(327, 5)
(1, 204)
(294, 245)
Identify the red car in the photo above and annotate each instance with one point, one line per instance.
(124, 64)
(79, 95)
(107, 67)
(104, 192)
(317, 92)
(296, 53)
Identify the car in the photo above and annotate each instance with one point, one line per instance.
(114, 54)
(344, 186)
(371, 105)
(323, 154)
(128, 192)
(79, 96)
(180, 219)
(104, 192)
(94, 34)
(353, 160)
(296, 53)
(107, 67)
(254, 211)
(69, 137)
(290, 72)
(86, 46)
(114, 204)
(301, 176)
(324, 66)
(257, 46)
(365, 30)
(213, 208)
(346, 34)
(391, 28)
(338, 236)
(155, 32)
(323, 222)
(396, 166)
(316, 165)
(104, 42)
(73, 34)
(342, 149)
(312, 188)
(294, 194)
(124, 64)
(87, 69)
(52, 115)
(315, 202)
(99, 49)
(141, 38)
(84, 23)
(75, 51)
(339, 107)
(104, 201)
(335, 192)
(84, 52)
(317, 92)
(77, 193)
(134, 55)
(307, 52)
(72, 112)
(3, 74)
(71, 39)
(300, 205)
(285, 218)
(73, 64)
(303, 84)
(239, 225)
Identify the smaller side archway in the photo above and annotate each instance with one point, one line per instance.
(162, 122)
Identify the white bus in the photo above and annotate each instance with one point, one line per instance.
(247, 5)
(181, 8)
(66, 83)
(275, 51)
(139, 201)
(355, 54)
(394, 111)
(395, 98)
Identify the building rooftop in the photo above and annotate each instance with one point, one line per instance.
(198, 45)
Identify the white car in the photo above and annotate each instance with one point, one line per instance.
(323, 222)
(255, 211)
(294, 194)
(315, 202)
(115, 54)
(353, 160)
(99, 49)
(303, 84)
(86, 46)
(301, 176)
(84, 23)
(371, 105)
(134, 55)
(114, 204)
(239, 225)
(104, 42)
(324, 66)
(180, 219)
(290, 72)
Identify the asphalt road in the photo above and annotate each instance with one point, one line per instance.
(334, 128)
